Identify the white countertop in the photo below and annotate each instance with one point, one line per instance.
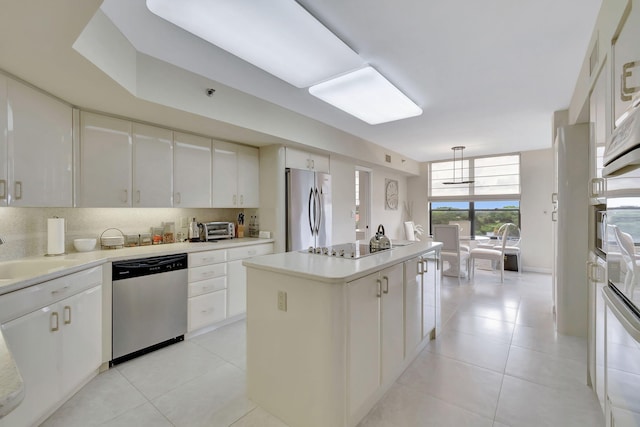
(337, 270)
(78, 261)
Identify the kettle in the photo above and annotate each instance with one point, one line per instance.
(379, 241)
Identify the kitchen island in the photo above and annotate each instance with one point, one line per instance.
(327, 336)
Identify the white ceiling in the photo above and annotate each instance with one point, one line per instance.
(488, 74)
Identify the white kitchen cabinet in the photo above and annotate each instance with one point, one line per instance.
(299, 159)
(191, 171)
(625, 51)
(412, 304)
(37, 149)
(430, 295)
(56, 348)
(152, 166)
(376, 333)
(237, 276)
(207, 309)
(235, 176)
(105, 161)
(598, 115)
(597, 275)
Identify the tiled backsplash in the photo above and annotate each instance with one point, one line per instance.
(24, 230)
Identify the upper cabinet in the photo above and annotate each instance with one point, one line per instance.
(191, 171)
(235, 176)
(599, 116)
(105, 161)
(626, 59)
(36, 161)
(152, 166)
(299, 159)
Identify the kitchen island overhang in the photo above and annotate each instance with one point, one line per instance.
(327, 336)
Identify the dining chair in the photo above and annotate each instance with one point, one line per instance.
(409, 231)
(449, 236)
(492, 254)
(513, 240)
(628, 252)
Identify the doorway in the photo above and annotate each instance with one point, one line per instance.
(363, 203)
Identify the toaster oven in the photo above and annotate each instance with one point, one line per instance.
(216, 230)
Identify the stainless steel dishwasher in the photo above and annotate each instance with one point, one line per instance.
(149, 304)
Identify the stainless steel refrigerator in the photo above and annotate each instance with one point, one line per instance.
(308, 209)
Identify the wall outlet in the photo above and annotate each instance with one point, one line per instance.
(282, 301)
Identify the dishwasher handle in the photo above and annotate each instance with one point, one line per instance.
(146, 266)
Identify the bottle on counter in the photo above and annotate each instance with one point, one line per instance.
(194, 231)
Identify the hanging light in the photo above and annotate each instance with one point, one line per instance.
(458, 149)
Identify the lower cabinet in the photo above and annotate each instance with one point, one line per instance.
(375, 333)
(56, 349)
(412, 304)
(430, 294)
(237, 276)
(207, 309)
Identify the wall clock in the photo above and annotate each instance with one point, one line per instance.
(391, 194)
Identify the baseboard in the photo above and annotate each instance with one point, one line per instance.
(537, 270)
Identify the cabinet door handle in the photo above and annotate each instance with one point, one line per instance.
(3, 185)
(54, 316)
(379, 294)
(419, 267)
(554, 198)
(386, 286)
(67, 314)
(138, 196)
(554, 216)
(125, 195)
(178, 198)
(626, 92)
(597, 187)
(426, 265)
(18, 187)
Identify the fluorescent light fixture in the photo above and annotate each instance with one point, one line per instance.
(367, 95)
(279, 36)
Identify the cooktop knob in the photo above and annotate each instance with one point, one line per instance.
(310, 250)
(325, 251)
(341, 252)
(333, 252)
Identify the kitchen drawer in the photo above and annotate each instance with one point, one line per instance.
(207, 309)
(27, 300)
(206, 286)
(207, 272)
(249, 251)
(205, 258)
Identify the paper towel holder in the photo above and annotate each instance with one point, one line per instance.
(63, 252)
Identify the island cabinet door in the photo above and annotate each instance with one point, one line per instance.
(430, 296)
(392, 319)
(364, 297)
(412, 304)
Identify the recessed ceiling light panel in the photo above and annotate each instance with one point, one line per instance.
(279, 36)
(367, 95)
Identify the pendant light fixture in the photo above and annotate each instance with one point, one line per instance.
(458, 149)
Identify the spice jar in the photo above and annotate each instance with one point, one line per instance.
(168, 235)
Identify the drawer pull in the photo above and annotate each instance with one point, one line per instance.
(208, 310)
(67, 318)
(253, 252)
(61, 290)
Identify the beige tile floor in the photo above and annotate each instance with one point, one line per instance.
(497, 362)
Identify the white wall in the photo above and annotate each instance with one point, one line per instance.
(536, 171)
(343, 196)
(417, 198)
(392, 220)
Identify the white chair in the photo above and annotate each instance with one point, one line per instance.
(464, 231)
(409, 231)
(512, 241)
(628, 252)
(492, 254)
(449, 236)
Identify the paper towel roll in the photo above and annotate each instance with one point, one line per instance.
(55, 236)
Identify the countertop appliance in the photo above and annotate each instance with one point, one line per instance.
(216, 230)
(346, 250)
(308, 214)
(149, 304)
(379, 241)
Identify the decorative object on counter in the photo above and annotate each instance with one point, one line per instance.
(194, 231)
(84, 245)
(145, 239)
(156, 235)
(379, 242)
(254, 228)
(391, 194)
(240, 229)
(55, 236)
(132, 240)
(169, 232)
(112, 242)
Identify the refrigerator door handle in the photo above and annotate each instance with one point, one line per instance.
(319, 212)
(310, 211)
